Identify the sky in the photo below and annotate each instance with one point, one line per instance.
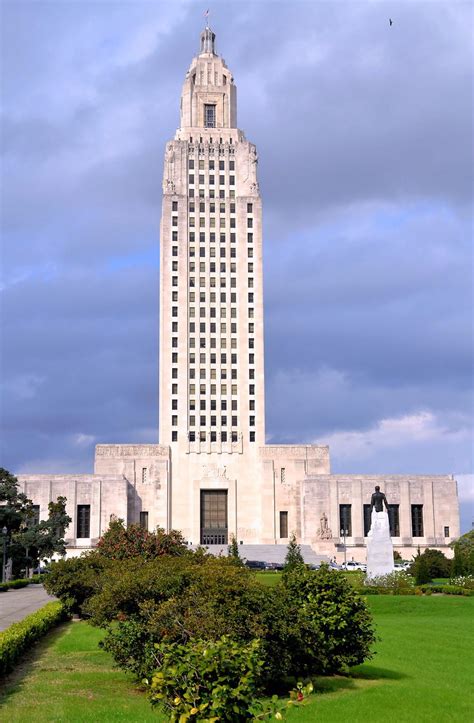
(364, 134)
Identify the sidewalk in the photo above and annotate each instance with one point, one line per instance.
(17, 604)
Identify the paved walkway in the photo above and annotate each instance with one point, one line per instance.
(17, 604)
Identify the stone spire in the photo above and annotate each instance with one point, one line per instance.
(208, 39)
(209, 95)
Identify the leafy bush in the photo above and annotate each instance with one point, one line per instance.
(430, 564)
(176, 600)
(420, 569)
(317, 623)
(121, 543)
(19, 636)
(75, 580)
(217, 680)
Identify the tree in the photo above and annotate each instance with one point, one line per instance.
(15, 507)
(396, 556)
(30, 542)
(293, 558)
(42, 540)
(463, 563)
(233, 551)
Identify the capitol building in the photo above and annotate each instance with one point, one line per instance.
(212, 475)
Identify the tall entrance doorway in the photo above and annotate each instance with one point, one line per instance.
(214, 517)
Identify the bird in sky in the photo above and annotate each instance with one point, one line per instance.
(390, 21)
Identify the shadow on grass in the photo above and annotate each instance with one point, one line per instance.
(13, 682)
(369, 673)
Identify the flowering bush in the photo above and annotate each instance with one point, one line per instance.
(466, 581)
(397, 582)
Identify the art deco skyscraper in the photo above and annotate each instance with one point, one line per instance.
(211, 321)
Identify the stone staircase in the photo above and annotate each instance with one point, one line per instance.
(268, 553)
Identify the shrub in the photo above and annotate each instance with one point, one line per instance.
(434, 564)
(121, 543)
(212, 680)
(316, 624)
(176, 600)
(75, 580)
(19, 636)
(420, 569)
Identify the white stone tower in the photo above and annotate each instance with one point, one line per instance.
(211, 324)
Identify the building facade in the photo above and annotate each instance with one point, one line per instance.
(212, 475)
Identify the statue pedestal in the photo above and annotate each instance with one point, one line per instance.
(379, 546)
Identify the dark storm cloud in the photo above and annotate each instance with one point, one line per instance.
(365, 147)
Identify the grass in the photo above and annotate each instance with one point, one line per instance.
(422, 671)
(68, 678)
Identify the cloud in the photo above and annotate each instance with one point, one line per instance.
(364, 135)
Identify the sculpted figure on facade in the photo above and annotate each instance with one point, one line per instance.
(168, 177)
(324, 532)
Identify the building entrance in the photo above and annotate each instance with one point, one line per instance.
(214, 517)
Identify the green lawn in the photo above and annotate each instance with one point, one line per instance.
(68, 679)
(422, 671)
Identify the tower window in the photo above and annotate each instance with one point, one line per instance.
(283, 525)
(417, 520)
(83, 521)
(209, 115)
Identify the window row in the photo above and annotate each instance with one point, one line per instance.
(213, 436)
(211, 165)
(212, 389)
(192, 252)
(203, 390)
(222, 207)
(212, 238)
(211, 179)
(211, 192)
(213, 405)
(202, 356)
(345, 520)
(201, 207)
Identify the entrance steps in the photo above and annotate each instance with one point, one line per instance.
(268, 553)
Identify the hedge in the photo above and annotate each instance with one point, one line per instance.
(22, 582)
(419, 590)
(19, 636)
(446, 590)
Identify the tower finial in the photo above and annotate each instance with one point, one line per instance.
(207, 38)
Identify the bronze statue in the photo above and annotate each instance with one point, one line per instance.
(378, 500)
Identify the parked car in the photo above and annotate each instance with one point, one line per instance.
(255, 564)
(353, 565)
(274, 566)
(402, 566)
